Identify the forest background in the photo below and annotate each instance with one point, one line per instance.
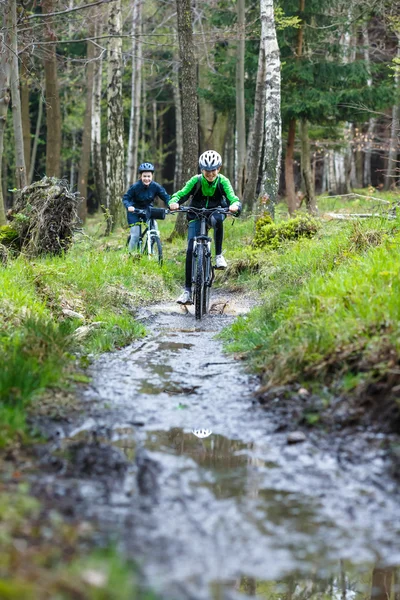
(95, 89)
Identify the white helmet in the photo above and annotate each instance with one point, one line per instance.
(210, 160)
(202, 433)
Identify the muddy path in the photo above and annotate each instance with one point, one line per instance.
(177, 462)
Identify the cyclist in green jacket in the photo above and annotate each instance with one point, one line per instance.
(208, 190)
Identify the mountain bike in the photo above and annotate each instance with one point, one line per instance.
(202, 267)
(149, 238)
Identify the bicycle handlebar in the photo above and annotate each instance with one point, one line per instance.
(204, 211)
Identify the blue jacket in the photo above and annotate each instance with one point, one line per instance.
(142, 197)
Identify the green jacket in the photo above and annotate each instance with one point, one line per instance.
(206, 195)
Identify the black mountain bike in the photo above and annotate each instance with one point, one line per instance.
(202, 268)
(149, 239)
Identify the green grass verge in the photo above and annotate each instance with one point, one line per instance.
(57, 309)
(329, 310)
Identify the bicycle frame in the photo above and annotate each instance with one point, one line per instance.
(151, 235)
(202, 269)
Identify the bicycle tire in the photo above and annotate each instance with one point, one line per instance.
(207, 286)
(199, 285)
(143, 244)
(156, 248)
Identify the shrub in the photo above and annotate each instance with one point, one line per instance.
(273, 235)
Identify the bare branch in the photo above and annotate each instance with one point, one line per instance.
(68, 10)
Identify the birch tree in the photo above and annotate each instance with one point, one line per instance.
(5, 93)
(255, 147)
(115, 133)
(273, 122)
(97, 159)
(20, 170)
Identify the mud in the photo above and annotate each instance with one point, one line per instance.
(208, 491)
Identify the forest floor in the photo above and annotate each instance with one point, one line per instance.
(316, 451)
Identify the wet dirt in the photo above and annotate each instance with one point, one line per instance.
(178, 463)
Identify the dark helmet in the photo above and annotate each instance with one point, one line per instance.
(146, 167)
(210, 160)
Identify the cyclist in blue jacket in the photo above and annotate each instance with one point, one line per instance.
(141, 196)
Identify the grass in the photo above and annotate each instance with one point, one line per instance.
(329, 309)
(40, 338)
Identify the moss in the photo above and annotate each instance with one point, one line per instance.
(272, 235)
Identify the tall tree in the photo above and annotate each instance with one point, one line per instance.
(5, 92)
(188, 78)
(178, 130)
(289, 169)
(136, 86)
(255, 147)
(273, 123)
(26, 123)
(84, 163)
(36, 138)
(97, 158)
(240, 104)
(115, 132)
(53, 110)
(20, 170)
(392, 170)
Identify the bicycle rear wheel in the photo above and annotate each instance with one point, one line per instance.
(199, 284)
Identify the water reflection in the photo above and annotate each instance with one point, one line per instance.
(202, 432)
(346, 582)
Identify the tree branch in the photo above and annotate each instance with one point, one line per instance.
(68, 10)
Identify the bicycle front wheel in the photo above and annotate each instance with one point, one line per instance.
(156, 248)
(199, 284)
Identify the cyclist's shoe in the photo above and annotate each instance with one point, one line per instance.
(185, 297)
(220, 262)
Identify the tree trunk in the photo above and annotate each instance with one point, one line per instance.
(97, 159)
(392, 165)
(273, 124)
(136, 89)
(306, 167)
(72, 167)
(178, 180)
(143, 122)
(115, 137)
(36, 138)
(367, 179)
(289, 157)
(240, 103)
(188, 77)
(84, 163)
(289, 171)
(381, 585)
(5, 96)
(20, 171)
(53, 111)
(26, 122)
(254, 157)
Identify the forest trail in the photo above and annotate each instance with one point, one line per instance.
(223, 515)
